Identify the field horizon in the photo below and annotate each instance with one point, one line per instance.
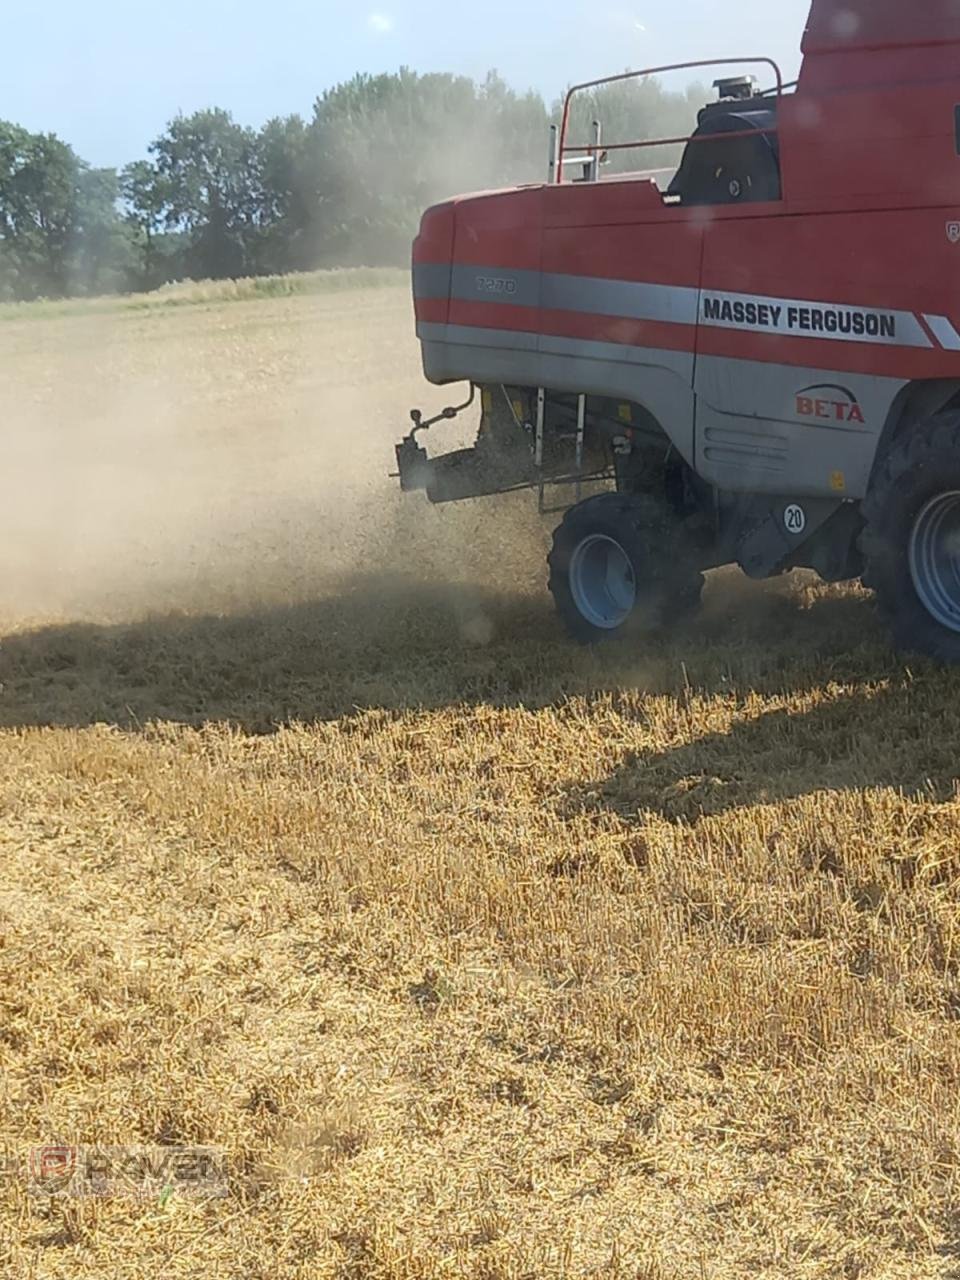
(477, 954)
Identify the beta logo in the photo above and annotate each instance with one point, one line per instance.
(829, 403)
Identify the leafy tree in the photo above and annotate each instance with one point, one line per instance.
(39, 180)
(144, 194)
(289, 215)
(103, 257)
(216, 199)
(207, 170)
(387, 146)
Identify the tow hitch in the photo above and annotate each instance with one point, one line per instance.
(415, 470)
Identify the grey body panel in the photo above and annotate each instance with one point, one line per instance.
(555, 291)
(660, 381)
(750, 436)
(769, 542)
(745, 425)
(735, 421)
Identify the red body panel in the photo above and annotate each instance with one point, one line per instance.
(871, 188)
(877, 125)
(871, 24)
(435, 245)
(644, 334)
(658, 247)
(500, 229)
(904, 263)
(492, 315)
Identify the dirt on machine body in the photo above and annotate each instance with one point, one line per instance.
(758, 357)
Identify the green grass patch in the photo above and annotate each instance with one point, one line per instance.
(195, 293)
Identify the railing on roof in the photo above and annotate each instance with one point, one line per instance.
(562, 153)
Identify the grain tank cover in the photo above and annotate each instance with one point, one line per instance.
(838, 25)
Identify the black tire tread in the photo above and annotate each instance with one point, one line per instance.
(660, 546)
(930, 453)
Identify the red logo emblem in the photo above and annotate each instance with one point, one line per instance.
(53, 1163)
(829, 403)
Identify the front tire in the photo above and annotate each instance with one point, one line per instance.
(622, 564)
(912, 539)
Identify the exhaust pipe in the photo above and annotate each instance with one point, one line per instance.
(452, 477)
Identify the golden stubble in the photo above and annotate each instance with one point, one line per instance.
(480, 955)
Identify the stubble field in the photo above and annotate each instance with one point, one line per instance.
(479, 955)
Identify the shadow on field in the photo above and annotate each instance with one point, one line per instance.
(392, 643)
(904, 736)
(376, 643)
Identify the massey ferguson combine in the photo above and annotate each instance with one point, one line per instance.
(761, 362)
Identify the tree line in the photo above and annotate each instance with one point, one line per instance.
(216, 200)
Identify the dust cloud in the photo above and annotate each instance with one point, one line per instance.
(225, 458)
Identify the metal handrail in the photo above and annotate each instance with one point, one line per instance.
(671, 142)
(563, 150)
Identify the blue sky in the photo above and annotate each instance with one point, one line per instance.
(107, 76)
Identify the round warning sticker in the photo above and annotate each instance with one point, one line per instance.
(795, 519)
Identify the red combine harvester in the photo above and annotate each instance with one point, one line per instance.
(764, 358)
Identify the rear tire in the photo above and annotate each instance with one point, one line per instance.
(912, 539)
(622, 564)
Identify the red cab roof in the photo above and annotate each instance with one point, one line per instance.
(835, 25)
